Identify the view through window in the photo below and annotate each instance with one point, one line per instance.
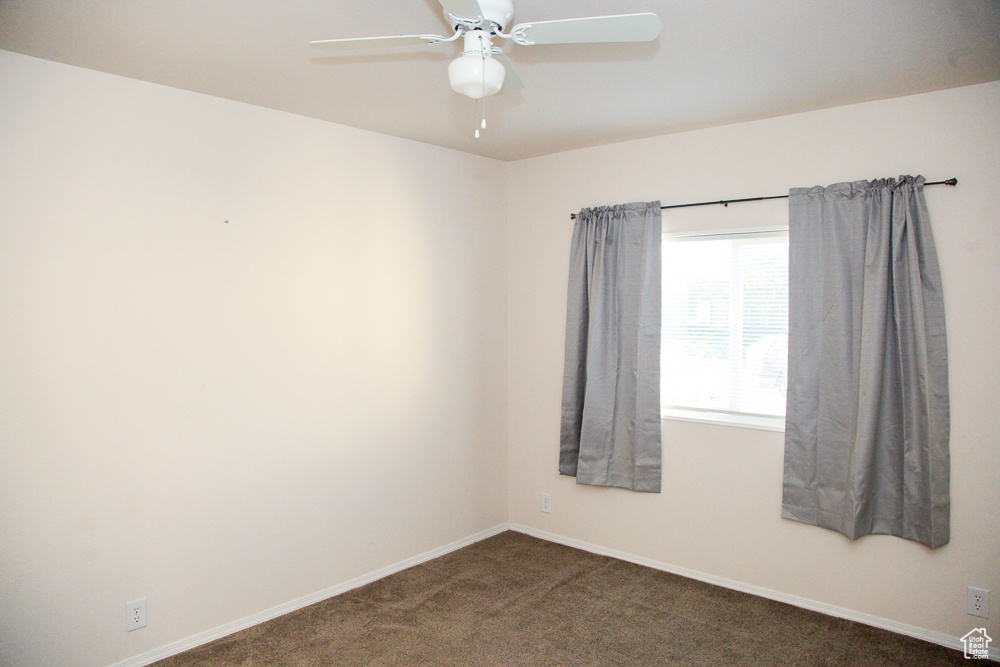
(725, 324)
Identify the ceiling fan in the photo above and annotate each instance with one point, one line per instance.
(483, 69)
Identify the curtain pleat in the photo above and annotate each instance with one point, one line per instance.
(867, 422)
(610, 430)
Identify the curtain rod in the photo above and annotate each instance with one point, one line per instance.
(727, 202)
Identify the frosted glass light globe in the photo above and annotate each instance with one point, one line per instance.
(476, 76)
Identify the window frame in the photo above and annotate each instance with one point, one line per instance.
(718, 417)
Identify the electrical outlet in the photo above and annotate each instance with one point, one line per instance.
(547, 503)
(979, 602)
(136, 614)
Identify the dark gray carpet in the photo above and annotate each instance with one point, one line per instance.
(517, 600)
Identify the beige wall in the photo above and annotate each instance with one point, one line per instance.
(225, 417)
(719, 513)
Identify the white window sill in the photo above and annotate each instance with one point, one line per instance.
(725, 419)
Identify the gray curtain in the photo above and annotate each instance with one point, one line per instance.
(610, 433)
(867, 426)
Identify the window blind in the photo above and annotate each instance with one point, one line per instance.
(724, 341)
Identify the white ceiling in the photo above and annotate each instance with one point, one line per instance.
(716, 61)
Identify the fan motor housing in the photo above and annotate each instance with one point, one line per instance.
(499, 12)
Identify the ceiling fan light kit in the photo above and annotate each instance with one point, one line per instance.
(478, 72)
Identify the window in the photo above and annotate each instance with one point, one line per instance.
(724, 350)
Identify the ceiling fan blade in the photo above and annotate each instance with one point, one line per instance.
(374, 42)
(511, 81)
(621, 28)
(463, 9)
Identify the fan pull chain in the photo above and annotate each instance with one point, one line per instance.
(475, 113)
(482, 54)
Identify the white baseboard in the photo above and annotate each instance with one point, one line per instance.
(831, 610)
(255, 619)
